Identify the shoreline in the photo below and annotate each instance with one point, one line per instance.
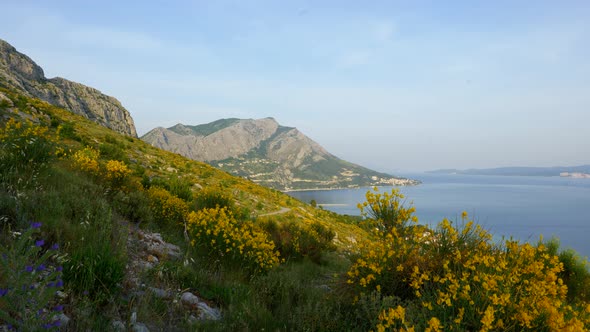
(347, 188)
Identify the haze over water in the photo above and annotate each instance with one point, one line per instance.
(518, 206)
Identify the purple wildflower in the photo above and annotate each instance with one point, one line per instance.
(35, 225)
(59, 283)
(40, 243)
(55, 246)
(41, 267)
(57, 323)
(59, 268)
(58, 308)
(29, 268)
(50, 284)
(3, 291)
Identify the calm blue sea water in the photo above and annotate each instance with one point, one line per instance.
(518, 206)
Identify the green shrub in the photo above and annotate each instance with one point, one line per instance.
(133, 206)
(180, 188)
(4, 104)
(295, 240)
(68, 130)
(209, 198)
(575, 274)
(113, 152)
(177, 186)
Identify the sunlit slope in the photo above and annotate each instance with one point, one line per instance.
(147, 161)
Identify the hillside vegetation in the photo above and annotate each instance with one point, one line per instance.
(77, 198)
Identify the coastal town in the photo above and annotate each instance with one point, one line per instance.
(575, 175)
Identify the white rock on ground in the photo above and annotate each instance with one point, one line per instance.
(208, 313)
(118, 326)
(189, 299)
(140, 327)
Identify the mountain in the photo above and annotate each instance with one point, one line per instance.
(18, 71)
(267, 153)
(519, 171)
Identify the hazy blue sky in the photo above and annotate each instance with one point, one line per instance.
(410, 85)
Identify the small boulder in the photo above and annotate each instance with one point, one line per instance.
(118, 326)
(160, 293)
(63, 319)
(140, 327)
(189, 299)
(208, 313)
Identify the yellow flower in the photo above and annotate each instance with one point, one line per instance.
(488, 318)
(434, 325)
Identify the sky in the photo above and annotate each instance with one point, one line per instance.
(391, 85)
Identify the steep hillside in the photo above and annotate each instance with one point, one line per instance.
(151, 164)
(103, 232)
(267, 153)
(19, 72)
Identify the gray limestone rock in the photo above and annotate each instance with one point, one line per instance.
(19, 72)
(118, 326)
(208, 313)
(160, 293)
(189, 299)
(140, 327)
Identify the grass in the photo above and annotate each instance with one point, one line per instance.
(88, 212)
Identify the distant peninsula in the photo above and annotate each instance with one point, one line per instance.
(582, 171)
(269, 154)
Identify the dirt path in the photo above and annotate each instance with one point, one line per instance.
(281, 211)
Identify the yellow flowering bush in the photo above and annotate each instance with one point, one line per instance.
(116, 173)
(386, 210)
(26, 144)
(456, 279)
(296, 240)
(165, 207)
(86, 160)
(218, 232)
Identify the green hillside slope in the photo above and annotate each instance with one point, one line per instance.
(101, 232)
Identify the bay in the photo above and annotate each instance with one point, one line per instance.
(522, 207)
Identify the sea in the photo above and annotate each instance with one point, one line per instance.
(518, 207)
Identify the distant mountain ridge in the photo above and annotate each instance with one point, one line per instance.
(267, 153)
(519, 171)
(18, 71)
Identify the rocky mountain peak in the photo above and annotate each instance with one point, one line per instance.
(18, 71)
(19, 63)
(265, 152)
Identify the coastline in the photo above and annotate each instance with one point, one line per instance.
(346, 188)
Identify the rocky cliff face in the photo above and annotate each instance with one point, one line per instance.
(228, 142)
(19, 72)
(267, 153)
